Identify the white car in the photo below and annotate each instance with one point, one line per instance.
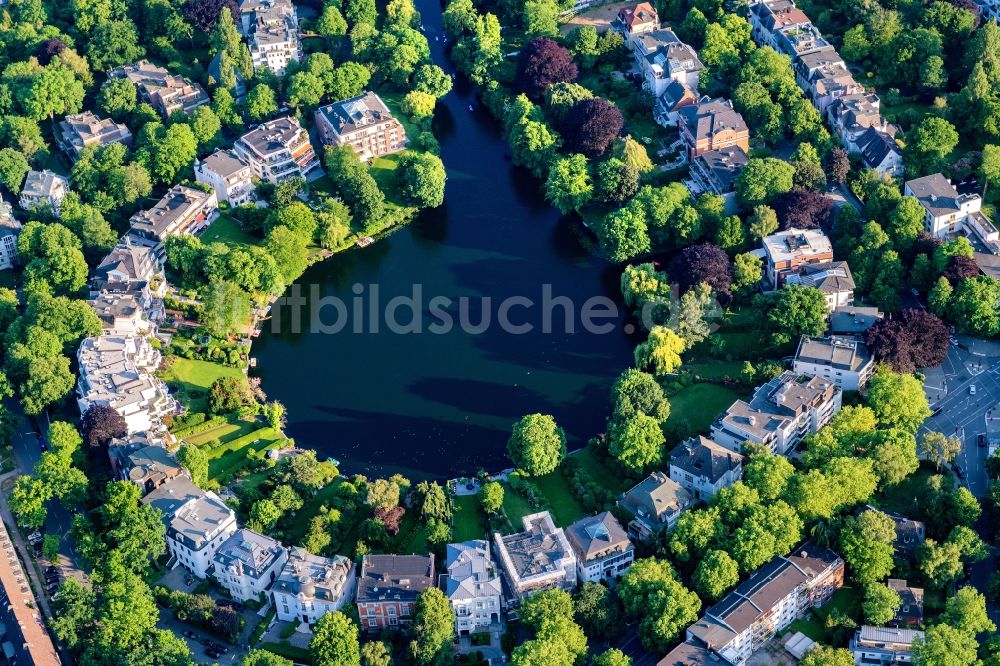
(972, 389)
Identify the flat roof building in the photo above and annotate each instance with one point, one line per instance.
(787, 251)
(535, 559)
(845, 361)
(278, 150)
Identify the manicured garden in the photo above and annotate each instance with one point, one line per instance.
(697, 405)
(190, 379)
(468, 521)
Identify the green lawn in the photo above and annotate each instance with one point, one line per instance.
(227, 230)
(393, 100)
(716, 369)
(699, 404)
(227, 458)
(555, 488)
(515, 506)
(601, 473)
(845, 600)
(296, 654)
(223, 433)
(810, 626)
(469, 522)
(191, 380)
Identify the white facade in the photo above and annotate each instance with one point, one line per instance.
(272, 31)
(198, 522)
(227, 175)
(603, 550)
(117, 371)
(278, 150)
(472, 585)
(247, 563)
(538, 558)
(703, 468)
(882, 646)
(843, 360)
(44, 188)
(309, 586)
(946, 212)
(9, 231)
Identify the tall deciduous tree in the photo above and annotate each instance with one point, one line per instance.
(541, 63)
(536, 445)
(590, 126)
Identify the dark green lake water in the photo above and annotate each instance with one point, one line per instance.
(432, 404)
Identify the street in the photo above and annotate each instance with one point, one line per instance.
(960, 413)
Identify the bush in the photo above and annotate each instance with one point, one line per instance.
(203, 426)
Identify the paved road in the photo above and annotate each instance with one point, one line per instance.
(963, 414)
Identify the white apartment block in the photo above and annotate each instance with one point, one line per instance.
(309, 586)
(472, 585)
(229, 177)
(536, 559)
(247, 563)
(278, 150)
(198, 523)
(603, 550)
(883, 646)
(10, 229)
(364, 123)
(662, 57)
(272, 31)
(845, 361)
(947, 213)
(703, 468)
(780, 413)
(117, 371)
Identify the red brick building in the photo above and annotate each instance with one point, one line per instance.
(388, 587)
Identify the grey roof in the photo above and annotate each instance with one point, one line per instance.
(84, 129)
(394, 577)
(756, 596)
(876, 146)
(541, 548)
(830, 277)
(887, 635)
(936, 194)
(161, 87)
(837, 352)
(110, 306)
(911, 608)
(663, 48)
(821, 58)
(691, 653)
(593, 536)
(190, 513)
(273, 136)
(8, 224)
(712, 117)
(700, 456)
(674, 93)
(44, 183)
(351, 115)
(248, 553)
(314, 577)
(777, 402)
(853, 319)
(152, 461)
(656, 494)
(725, 165)
(471, 574)
(176, 204)
(138, 262)
(224, 163)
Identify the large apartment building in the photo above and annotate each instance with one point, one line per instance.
(118, 371)
(247, 563)
(198, 523)
(78, 131)
(272, 31)
(182, 210)
(786, 252)
(162, 90)
(780, 413)
(843, 360)
(535, 559)
(10, 229)
(364, 123)
(947, 213)
(773, 597)
(278, 150)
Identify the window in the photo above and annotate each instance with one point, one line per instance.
(371, 622)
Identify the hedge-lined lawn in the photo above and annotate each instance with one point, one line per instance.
(515, 506)
(469, 522)
(227, 230)
(191, 379)
(224, 433)
(699, 404)
(555, 488)
(296, 654)
(227, 458)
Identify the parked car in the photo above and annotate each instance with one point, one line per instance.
(972, 389)
(981, 439)
(212, 653)
(959, 472)
(190, 634)
(35, 538)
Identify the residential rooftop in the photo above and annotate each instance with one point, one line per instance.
(712, 117)
(592, 536)
(311, 576)
(248, 553)
(795, 243)
(842, 353)
(470, 571)
(701, 457)
(191, 514)
(394, 577)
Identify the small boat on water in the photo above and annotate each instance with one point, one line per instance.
(472, 108)
(333, 461)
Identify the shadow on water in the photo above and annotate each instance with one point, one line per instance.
(437, 405)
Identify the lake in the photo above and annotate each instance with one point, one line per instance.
(433, 403)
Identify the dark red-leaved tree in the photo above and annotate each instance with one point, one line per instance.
(702, 263)
(837, 165)
(959, 268)
(204, 14)
(913, 339)
(591, 126)
(48, 50)
(101, 424)
(972, 8)
(803, 209)
(390, 518)
(541, 63)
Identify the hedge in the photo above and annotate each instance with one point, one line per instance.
(223, 448)
(199, 428)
